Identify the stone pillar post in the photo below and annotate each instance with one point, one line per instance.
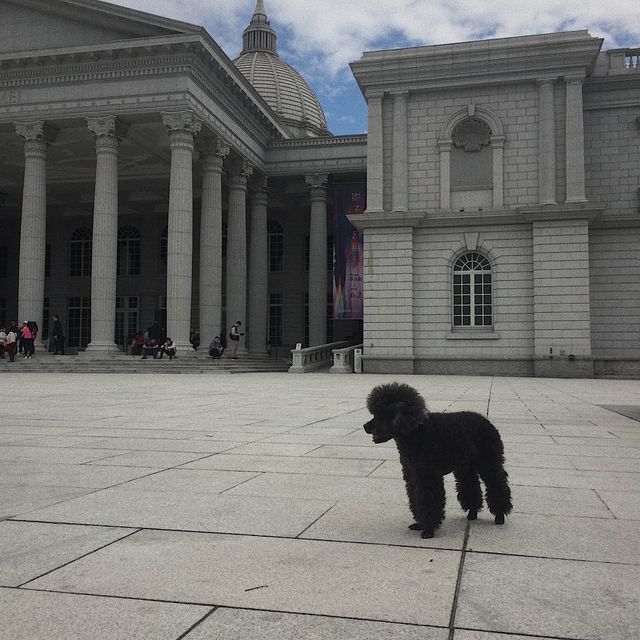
(445, 173)
(318, 259)
(182, 127)
(375, 155)
(400, 152)
(546, 143)
(575, 142)
(33, 225)
(497, 146)
(104, 247)
(213, 154)
(258, 269)
(236, 289)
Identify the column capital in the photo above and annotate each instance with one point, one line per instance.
(212, 152)
(181, 121)
(317, 181)
(374, 95)
(574, 80)
(541, 82)
(239, 172)
(260, 189)
(36, 130)
(107, 126)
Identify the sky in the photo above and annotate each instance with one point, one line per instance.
(320, 37)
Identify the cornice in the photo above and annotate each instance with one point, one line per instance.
(505, 60)
(326, 141)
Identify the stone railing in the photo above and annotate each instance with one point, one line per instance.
(343, 359)
(314, 358)
(624, 61)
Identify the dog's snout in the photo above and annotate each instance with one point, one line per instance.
(368, 427)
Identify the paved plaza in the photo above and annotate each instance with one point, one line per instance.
(254, 506)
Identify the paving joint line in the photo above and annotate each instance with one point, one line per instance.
(456, 593)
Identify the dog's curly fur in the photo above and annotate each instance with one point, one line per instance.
(432, 445)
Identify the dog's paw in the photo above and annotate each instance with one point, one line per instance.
(472, 515)
(427, 534)
(499, 518)
(416, 526)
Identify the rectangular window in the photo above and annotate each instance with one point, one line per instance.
(472, 309)
(80, 258)
(275, 319)
(79, 321)
(128, 257)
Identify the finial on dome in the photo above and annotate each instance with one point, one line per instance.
(259, 36)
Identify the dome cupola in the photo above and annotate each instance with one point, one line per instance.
(279, 84)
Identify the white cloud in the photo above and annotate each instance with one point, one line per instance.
(333, 33)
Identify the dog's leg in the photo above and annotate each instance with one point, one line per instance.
(430, 502)
(411, 494)
(469, 491)
(498, 492)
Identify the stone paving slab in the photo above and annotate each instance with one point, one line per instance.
(558, 598)
(189, 512)
(32, 615)
(280, 486)
(27, 549)
(238, 624)
(265, 573)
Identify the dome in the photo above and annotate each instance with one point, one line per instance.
(279, 84)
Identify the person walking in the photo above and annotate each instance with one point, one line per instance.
(234, 336)
(26, 340)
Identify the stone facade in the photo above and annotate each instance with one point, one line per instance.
(143, 178)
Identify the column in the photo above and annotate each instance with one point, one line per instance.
(104, 248)
(258, 269)
(575, 142)
(182, 127)
(33, 225)
(236, 289)
(318, 259)
(400, 152)
(213, 153)
(546, 143)
(375, 155)
(445, 173)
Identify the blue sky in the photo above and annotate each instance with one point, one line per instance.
(320, 37)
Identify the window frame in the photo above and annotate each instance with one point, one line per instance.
(470, 271)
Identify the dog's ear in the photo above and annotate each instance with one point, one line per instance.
(405, 418)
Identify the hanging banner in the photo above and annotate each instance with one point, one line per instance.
(348, 199)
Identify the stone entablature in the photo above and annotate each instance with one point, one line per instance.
(339, 154)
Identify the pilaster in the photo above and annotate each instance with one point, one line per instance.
(546, 142)
(575, 141)
(400, 152)
(375, 154)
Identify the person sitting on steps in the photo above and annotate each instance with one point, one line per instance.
(168, 348)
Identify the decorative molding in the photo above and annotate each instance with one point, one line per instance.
(471, 134)
(316, 181)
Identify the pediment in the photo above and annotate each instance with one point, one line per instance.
(34, 25)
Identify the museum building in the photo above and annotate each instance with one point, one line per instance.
(494, 202)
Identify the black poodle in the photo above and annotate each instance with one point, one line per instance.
(434, 444)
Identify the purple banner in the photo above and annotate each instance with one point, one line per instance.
(348, 199)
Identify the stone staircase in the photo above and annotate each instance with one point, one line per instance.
(121, 363)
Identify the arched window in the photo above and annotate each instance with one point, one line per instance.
(472, 295)
(276, 246)
(80, 252)
(128, 251)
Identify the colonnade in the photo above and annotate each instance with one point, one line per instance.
(247, 255)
